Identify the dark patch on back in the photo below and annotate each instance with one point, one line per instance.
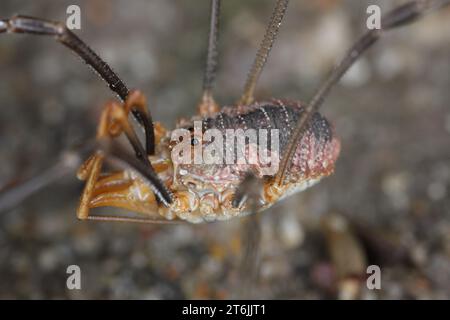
(269, 115)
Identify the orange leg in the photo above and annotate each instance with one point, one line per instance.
(117, 189)
(207, 106)
(89, 171)
(114, 190)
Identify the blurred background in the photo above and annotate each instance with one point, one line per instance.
(387, 204)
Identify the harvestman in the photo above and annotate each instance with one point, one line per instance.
(150, 184)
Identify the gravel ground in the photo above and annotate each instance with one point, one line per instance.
(391, 187)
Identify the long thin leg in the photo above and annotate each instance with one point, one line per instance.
(249, 192)
(398, 17)
(15, 194)
(36, 26)
(207, 105)
(249, 266)
(263, 51)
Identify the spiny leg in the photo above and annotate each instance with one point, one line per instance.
(400, 16)
(207, 105)
(263, 51)
(36, 26)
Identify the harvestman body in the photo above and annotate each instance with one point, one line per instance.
(150, 184)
